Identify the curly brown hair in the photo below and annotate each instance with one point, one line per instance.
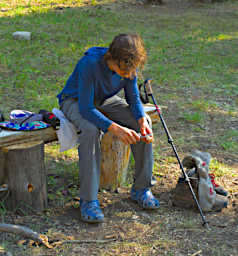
(127, 49)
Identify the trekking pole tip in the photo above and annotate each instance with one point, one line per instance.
(205, 224)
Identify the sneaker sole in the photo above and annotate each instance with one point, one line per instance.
(92, 221)
(144, 208)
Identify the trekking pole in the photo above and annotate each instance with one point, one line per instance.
(148, 92)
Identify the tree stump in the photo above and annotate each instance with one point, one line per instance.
(23, 170)
(115, 156)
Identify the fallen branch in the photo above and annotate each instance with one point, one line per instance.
(196, 253)
(95, 241)
(88, 241)
(26, 232)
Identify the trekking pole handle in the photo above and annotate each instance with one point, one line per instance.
(147, 86)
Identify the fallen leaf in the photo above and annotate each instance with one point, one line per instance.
(21, 242)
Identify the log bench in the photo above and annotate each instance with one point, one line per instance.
(23, 173)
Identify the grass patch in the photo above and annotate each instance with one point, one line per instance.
(229, 141)
(194, 117)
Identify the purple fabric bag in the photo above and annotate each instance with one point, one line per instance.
(21, 117)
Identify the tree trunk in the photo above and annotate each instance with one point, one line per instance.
(114, 162)
(24, 172)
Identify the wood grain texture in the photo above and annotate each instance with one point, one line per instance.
(25, 174)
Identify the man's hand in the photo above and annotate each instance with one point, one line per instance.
(126, 135)
(145, 130)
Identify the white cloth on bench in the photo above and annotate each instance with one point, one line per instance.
(67, 133)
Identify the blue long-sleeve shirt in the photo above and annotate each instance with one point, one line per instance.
(93, 82)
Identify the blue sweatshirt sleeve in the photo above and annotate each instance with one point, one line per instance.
(86, 97)
(132, 97)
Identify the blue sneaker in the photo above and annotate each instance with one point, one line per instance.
(144, 198)
(91, 211)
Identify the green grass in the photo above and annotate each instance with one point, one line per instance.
(194, 118)
(184, 52)
(230, 140)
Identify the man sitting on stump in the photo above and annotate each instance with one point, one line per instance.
(90, 102)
